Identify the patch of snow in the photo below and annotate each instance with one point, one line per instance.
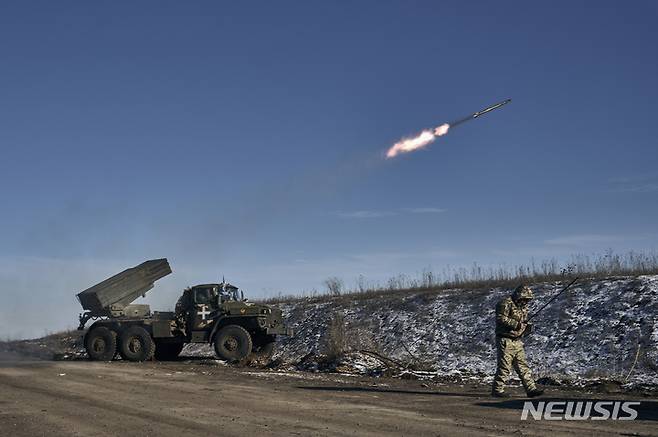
(591, 331)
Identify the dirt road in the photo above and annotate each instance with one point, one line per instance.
(203, 398)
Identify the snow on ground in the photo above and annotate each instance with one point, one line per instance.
(600, 329)
(592, 331)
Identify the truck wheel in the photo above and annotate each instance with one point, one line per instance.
(167, 351)
(232, 343)
(136, 344)
(101, 344)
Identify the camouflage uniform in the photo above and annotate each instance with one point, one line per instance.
(510, 324)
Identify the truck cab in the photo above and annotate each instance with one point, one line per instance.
(220, 314)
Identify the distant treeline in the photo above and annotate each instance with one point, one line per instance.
(586, 266)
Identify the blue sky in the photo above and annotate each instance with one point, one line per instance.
(246, 139)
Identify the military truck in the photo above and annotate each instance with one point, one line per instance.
(217, 314)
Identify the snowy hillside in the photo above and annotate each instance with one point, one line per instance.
(593, 330)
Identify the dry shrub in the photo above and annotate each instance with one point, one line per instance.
(335, 337)
(334, 286)
(479, 277)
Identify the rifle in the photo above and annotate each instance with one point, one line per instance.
(552, 299)
(528, 328)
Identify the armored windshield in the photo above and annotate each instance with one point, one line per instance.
(203, 295)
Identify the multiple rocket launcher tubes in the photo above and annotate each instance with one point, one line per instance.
(429, 135)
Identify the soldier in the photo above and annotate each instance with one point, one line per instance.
(511, 325)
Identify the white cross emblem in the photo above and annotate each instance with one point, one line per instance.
(204, 312)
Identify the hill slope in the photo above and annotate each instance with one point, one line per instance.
(594, 329)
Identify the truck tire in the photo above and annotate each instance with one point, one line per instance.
(136, 344)
(232, 343)
(101, 344)
(167, 351)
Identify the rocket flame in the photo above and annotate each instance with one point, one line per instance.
(440, 131)
(418, 142)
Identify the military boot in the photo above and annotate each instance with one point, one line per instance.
(535, 392)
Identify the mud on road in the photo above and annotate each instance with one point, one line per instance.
(57, 398)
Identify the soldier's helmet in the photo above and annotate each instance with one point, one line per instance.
(522, 292)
